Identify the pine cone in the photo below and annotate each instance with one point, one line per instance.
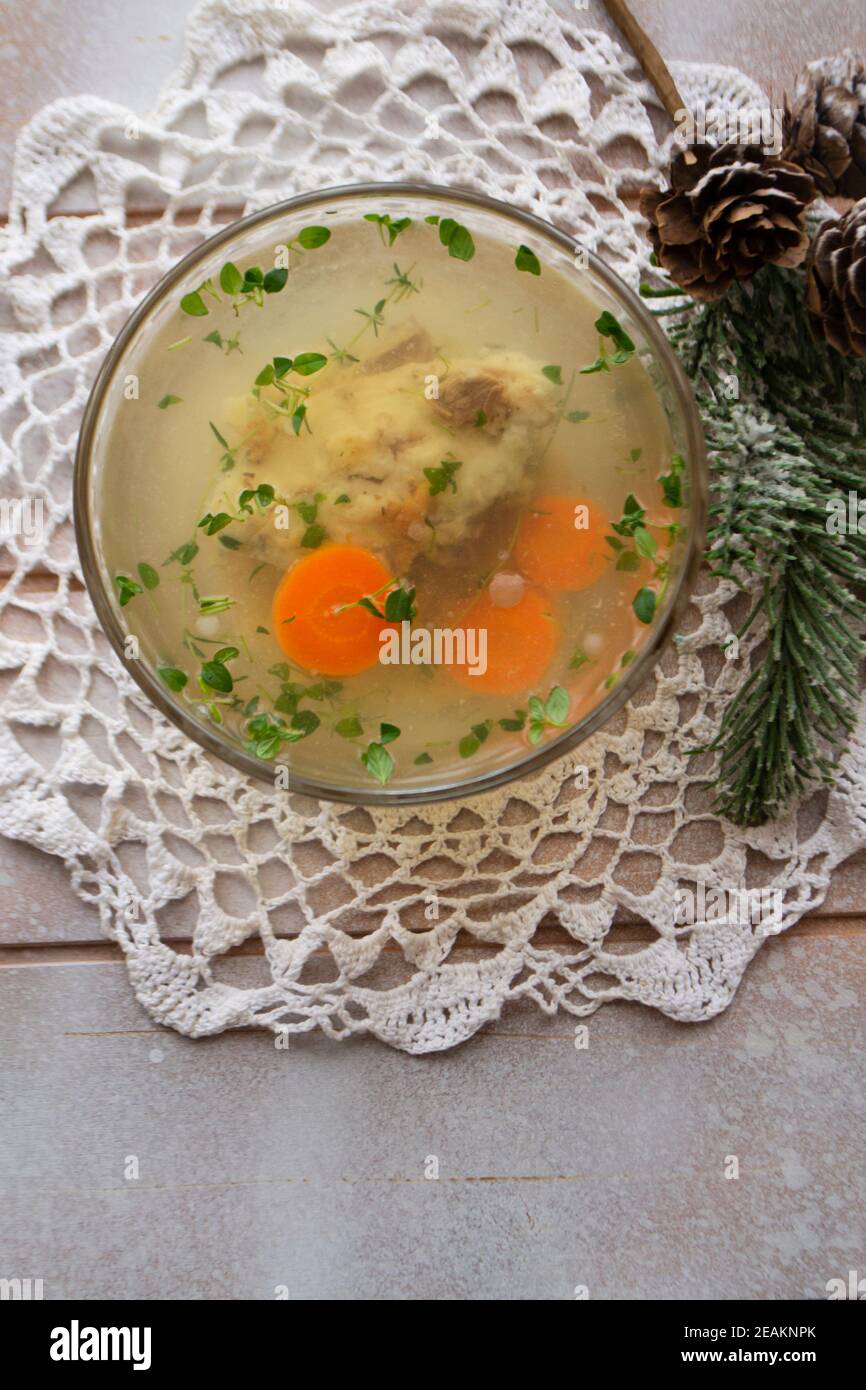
(825, 125)
(836, 286)
(730, 210)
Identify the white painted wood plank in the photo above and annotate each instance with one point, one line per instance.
(557, 1167)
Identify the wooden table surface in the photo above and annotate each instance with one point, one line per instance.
(135, 1163)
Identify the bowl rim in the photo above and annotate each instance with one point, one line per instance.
(533, 761)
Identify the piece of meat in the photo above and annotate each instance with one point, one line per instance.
(414, 346)
(467, 397)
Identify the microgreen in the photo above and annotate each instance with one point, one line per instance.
(606, 326)
(230, 542)
(527, 260)
(441, 478)
(388, 230)
(167, 401)
(422, 759)
(350, 727)
(579, 658)
(553, 374)
(574, 417)
(549, 713)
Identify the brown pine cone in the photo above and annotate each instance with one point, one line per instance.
(825, 125)
(836, 286)
(730, 210)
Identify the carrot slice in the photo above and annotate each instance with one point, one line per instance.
(307, 618)
(560, 543)
(521, 643)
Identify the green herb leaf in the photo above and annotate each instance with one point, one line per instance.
(217, 676)
(579, 658)
(194, 305)
(184, 554)
(422, 759)
(308, 362)
(230, 542)
(442, 477)
(305, 722)
(148, 576)
(350, 727)
(514, 725)
(212, 524)
(313, 537)
(231, 280)
(226, 654)
(575, 416)
(387, 228)
(167, 401)
(556, 706)
(173, 677)
(645, 543)
(275, 280)
(378, 762)
(644, 605)
(388, 732)
(553, 374)
(527, 260)
(672, 487)
(312, 237)
(400, 605)
(607, 326)
(458, 239)
(628, 561)
(126, 588)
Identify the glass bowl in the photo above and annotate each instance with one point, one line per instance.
(253, 237)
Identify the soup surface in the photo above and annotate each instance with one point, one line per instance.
(396, 501)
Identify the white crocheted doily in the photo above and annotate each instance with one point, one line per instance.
(272, 99)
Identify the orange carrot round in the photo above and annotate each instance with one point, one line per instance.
(560, 543)
(521, 643)
(315, 616)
